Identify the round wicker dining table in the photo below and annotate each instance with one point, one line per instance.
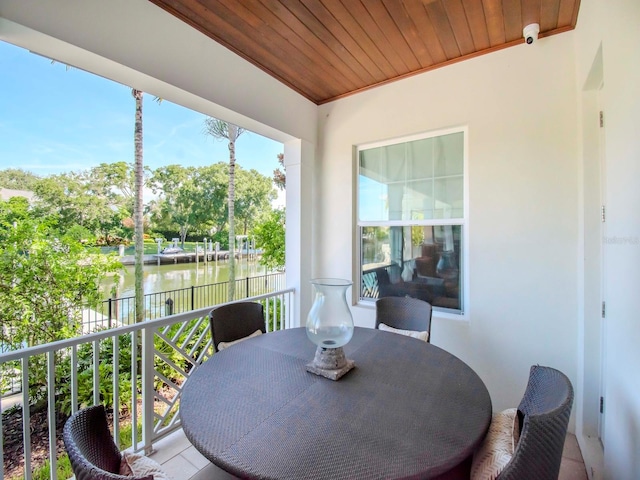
(407, 410)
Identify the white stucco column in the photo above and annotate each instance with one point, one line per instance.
(298, 161)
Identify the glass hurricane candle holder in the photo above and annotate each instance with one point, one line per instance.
(330, 327)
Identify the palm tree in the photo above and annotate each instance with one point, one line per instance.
(219, 130)
(138, 207)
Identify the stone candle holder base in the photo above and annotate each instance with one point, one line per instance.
(330, 363)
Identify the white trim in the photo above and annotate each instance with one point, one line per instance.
(465, 238)
(413, 137)
(412, 223)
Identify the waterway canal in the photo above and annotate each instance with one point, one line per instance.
(173, 276)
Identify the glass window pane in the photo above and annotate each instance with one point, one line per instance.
(416, 261)
(419, 200)
(420, 179)
(448, 198)
(449, 154)
(372, 200)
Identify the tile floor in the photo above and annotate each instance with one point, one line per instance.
(572, 466)
(182, 461)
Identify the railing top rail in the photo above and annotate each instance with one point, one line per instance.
(159, 322)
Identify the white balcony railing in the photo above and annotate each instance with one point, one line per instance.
(135, 370)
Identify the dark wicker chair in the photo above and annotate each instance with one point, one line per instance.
(90, 446)
(543, 414)
(235, 320)
(406, 313)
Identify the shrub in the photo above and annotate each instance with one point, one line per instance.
(63, 469)
(105, 372)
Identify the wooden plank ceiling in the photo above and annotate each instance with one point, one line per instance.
(328, 49)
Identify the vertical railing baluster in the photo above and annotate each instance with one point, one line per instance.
(26, 419)
(278, 311)
(51, 400)
(74, 379)
(272, 314)
(110, 313)
(96, 372)
(277, 324)
(279, 306)
(147, 388)
(1, 444)
(134, 390)
(193, 303)
(268, 324)
(116, 389)
(286, 309)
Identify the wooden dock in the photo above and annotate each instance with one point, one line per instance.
(184, 257)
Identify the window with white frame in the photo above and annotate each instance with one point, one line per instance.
(412, 218)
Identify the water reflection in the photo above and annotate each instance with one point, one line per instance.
(160, 278)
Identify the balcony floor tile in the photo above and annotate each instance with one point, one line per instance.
(170, 446)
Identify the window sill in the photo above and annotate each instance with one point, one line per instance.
(439, 314)
(457, 317)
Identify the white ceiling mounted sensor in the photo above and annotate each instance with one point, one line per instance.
(530, 33)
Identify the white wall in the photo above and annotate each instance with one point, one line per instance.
(520, 108)
(614, 25)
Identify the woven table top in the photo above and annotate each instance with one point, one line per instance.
(407, 410)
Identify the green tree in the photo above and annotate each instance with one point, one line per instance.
(279, 176)
(76, 198)
(223, 130)
(66, 197)
(17, 179)
(195, 199)
(46, 278)
(116, 181)
(270, 237)
(12, 211)
(179, 193)
(254, 193)
(213, 182)
(119, 178)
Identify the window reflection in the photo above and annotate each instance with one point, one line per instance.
(416, 261)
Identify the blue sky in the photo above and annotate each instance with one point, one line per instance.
(55, 119)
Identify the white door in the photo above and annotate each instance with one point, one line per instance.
(593, 262)
(603, 243)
